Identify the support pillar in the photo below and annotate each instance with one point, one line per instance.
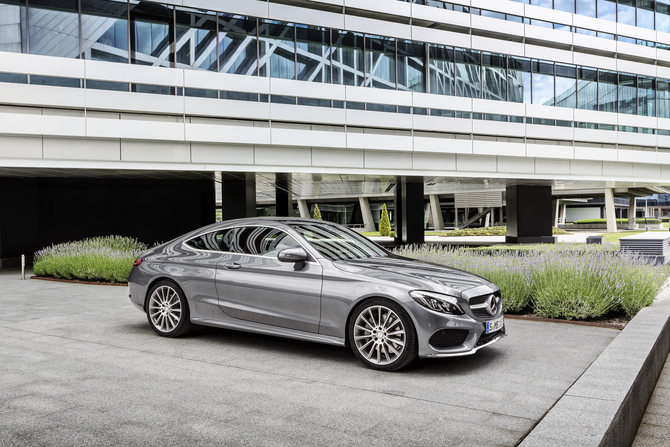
(455, 218)
(632, 202)
(609, 210)
(555, 208)
(238, 195)
(436, 212)
(409, 195)
(283, 197)
(368, 221)
(528, 214)
(303, 207)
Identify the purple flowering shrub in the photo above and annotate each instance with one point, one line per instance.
(107, 259)
(559, 280)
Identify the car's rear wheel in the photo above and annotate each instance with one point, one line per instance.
(382, 335)
(167, 310)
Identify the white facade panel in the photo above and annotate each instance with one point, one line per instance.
(497, 45)
(225, 108)
(138, 74)
(20, 147)
(388, 160)
(283, 156)
(595, 153)
(442, 102)
(302, 138)
(594, 43)
(497, 26)
(380, 142)
(635, 31)
(499, 148)
(548, 14)
(222, 154)
(438, 123)
(549, 132)
(156, 151)
(617, 169)
(80, 149)
(637, 156)
(338, 158)
(665, 171)
(65, 126)
(647, 171)
(255, 8)
(394, 8)
(638, 51)
(378, 96)
(595, 136)
(42, 95)
(306, 89)
(444, 145)
(364, 25)
(498, 128)
(549, 151)
(41, 65)
(422, 34)
(593, 116)
(587, 168)
(307, 114)
(227, 134)
(554, 113)
(498, 107)
(546, 53)
(636, 139)
(516, 9)
(434, 162)
(149, 130)
(289, 13)
(361, 118)
(663, 140)
(430, 13)
(664, 157)
(547, 34)
(516, 165)
(225, 81)
(134, 102)
(560, 167)
(594, 24)
(594, 61)
(626, 66)
(474, 163)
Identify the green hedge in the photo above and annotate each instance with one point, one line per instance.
(621, 221)
(491, 231)
(104, 259)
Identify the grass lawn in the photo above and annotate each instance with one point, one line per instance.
(614, 237)
(376, 233)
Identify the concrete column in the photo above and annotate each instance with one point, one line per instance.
(456, 218)
(238, 195)
(436, 212)
(284, 200)
(368, 221)
(397, 211)
(303, 207)
(632, 201)
(555, 208)
(609, 210)
(409, 194)
(528, 214)
(487, 220)
(564, 214)
(502, 218)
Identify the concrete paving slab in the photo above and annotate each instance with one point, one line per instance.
(73, 374)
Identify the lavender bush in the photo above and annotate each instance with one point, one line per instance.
(107, 259)
(559, 281)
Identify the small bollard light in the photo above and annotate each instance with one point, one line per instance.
(23, 267)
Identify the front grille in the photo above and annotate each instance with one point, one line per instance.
(481, 312)
(448, 337)
(479, 299)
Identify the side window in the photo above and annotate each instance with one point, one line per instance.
(262, 241)
(210, 241)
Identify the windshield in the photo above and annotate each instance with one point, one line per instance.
(337, 243)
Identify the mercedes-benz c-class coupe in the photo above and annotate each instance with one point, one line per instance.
(313, 280)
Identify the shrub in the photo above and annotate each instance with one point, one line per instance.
(665, 219)
(558, 280)
(384, 222)
(491, 231)
(107, 259)
(598, 221)
(648, 220)
(317, 212)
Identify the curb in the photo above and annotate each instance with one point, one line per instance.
(605, 406)
(76, 281)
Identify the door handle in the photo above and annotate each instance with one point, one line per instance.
(232, 265)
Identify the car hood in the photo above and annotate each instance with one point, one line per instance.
(415, 274)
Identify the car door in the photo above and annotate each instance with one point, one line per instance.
(253, 285)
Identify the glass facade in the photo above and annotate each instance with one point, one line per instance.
(162, 35)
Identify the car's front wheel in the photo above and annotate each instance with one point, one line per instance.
(382, 335)
(167, 310)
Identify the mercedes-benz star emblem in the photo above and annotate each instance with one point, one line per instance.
(492, 303)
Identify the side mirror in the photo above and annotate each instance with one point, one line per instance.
(292, 255)
(295, 255)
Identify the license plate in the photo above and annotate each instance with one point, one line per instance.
(495, 325)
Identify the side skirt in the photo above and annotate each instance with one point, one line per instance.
(270, 330)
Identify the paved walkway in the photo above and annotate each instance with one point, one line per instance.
(655, 428)
(80, 366)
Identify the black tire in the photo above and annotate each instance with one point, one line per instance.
(382, 335)
(167, 310)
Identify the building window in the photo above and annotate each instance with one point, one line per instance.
(607, 10)
(468, 76)
(313, 46)
(627, 93)
(626, 12)
(104, 30)
(543, 83)
(411, 66)
(494, 68)
(566, 86)
(646, 95)
(54, 28)
(663, 97)
(151, 34)
(587, 89)
(586, 8)
(607, 91)
(645, 14)
(519, 79)
(348, 62)
(565, 5)
(441, 69)
(276, 42)
(13, 29)
(238, 52)
(663, 15)
(196, 39)
(380, 67)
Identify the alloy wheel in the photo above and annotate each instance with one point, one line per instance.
(379, 335)
(165, 308)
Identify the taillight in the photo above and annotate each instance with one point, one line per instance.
(138, 261)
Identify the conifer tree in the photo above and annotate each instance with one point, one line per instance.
(384, 222)
(317, 212)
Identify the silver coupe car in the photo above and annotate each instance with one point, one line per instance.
(317, 281)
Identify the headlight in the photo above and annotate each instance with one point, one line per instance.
(437, 302)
